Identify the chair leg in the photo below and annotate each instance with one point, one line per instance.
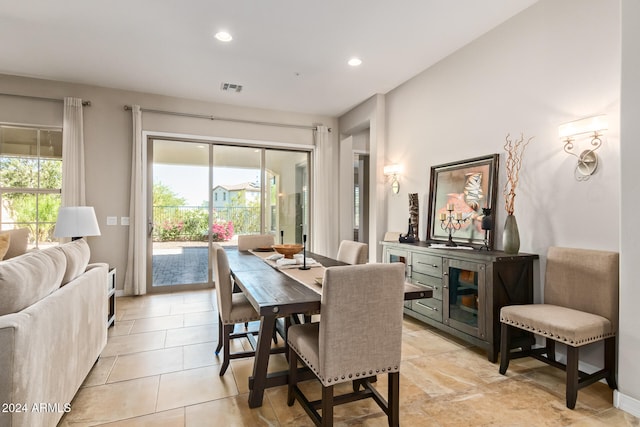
(550, 345)
(505, 346)
(228, 330)
(327, 406)
(220, 336)
(293, 367)
(610, 361)
(572, 376)
(393, 399)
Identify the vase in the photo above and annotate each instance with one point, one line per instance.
(511, 236)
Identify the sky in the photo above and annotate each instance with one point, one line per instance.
(191, 182)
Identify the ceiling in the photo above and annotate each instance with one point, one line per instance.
(288, 55)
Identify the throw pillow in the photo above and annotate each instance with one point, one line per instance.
(77, 254)
(19, 242)
(5, 239)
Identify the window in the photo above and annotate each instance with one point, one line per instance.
(30, 180)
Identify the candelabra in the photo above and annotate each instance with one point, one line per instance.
(450, 223)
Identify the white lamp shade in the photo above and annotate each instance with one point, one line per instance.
(76, 221)
(394, 169)
(588, 125)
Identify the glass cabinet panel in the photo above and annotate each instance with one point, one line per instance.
(465, 290)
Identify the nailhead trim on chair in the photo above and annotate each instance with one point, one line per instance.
(350, 375)
(242, 320)
(558, 338)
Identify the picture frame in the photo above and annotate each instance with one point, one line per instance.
(468, 185)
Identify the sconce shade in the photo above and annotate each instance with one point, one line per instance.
(587, 125)
(76, 221)
(392, 169)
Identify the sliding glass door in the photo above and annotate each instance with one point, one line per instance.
(206, 192)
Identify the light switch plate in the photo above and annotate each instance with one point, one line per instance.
(124, 220)
(112, 220)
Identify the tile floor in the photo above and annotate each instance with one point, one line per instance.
(159, 369)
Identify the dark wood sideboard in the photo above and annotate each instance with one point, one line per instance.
(469, 288)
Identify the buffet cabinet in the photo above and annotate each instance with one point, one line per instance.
(469, 288)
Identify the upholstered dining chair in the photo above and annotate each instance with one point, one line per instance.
(359, 336)
(352, 252)
(233, 308)
(580, 308)
(254, 241)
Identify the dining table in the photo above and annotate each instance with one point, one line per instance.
(282, 292)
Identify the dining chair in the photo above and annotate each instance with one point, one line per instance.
(359, 336)
(352, 252)
(580, 308)
(254, 241)
(233, 308)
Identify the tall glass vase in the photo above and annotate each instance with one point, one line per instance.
(511, 236)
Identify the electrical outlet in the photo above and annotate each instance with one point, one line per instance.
(112, 220)
(124, 220)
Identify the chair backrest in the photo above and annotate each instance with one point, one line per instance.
(352, 252)
(224, 283)
(583, 279)
(253, 241)
(361, 319)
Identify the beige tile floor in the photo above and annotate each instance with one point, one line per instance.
(159, 369)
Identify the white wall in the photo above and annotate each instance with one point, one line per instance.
(107, 134)
(628, 396)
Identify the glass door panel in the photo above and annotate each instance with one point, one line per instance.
(179, 214)
(286, 198)
(465, 299)
(235, 193)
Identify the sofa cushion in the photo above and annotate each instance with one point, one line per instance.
(19, 242)
(5, 239)
(77, 254)
(29, 278)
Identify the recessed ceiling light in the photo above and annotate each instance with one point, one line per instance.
(223, 36)
(354, 62)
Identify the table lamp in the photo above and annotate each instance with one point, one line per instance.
(76, 222)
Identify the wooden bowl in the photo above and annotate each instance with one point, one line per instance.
(288, 250)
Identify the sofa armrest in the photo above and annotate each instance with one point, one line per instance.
(11, 325)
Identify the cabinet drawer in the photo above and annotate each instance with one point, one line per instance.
(429, 282)
(429, 307)
(427, 264)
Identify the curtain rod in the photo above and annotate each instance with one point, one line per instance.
(41, 98)
(223, 119)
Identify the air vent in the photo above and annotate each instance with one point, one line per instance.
(231, 87)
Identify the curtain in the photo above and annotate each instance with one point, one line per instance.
(73, 192)
(135, 281)
(325, 232)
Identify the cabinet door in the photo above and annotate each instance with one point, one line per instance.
(464, 296)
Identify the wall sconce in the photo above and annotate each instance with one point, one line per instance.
(393, 171)
(587, 160)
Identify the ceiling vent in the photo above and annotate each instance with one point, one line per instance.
(230, 87)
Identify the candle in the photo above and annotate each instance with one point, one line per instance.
(443, 216)
(458, 215)
(449, 206)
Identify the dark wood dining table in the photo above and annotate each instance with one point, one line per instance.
(275, 295)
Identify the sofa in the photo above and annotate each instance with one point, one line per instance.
(53, 312)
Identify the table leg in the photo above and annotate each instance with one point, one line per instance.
(261, 362)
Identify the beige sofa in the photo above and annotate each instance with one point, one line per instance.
(53, 312)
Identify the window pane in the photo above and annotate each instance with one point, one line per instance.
(21, 142)
(50, 174)
(21, 207)
(17, 172)
(48, 205)
(51, 144)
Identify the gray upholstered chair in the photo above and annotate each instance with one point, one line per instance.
(254, 241)
(352, 252)
(580, 307)
(233, 308)
(358, 337)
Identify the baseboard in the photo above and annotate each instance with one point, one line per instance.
(626, 403)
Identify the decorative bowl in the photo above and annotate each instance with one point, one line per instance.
(288, 250)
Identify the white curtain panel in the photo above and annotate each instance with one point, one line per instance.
(325, 233)
(135, 281)
(73, 192)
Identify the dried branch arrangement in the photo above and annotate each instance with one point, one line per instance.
(515, 151)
